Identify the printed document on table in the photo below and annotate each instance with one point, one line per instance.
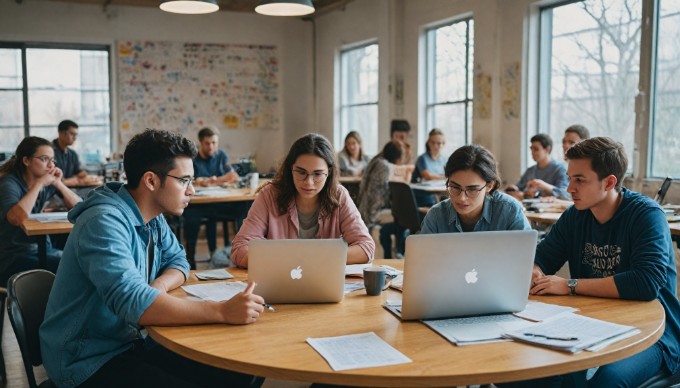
(354, 351)
(216, 292)
(49, 216)
(479, 329)
(538, 312)
(571, 333)
(356, 270)
(213, 274)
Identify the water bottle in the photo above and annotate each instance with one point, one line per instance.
(254, 181)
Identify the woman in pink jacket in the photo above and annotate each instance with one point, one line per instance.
(305, 200)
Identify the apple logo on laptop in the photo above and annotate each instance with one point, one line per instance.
(296, 273)
(471, 277)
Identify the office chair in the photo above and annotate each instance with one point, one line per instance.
(661, 381)
(661, 194)
(3, 297)
(404, 208)
(26, 302)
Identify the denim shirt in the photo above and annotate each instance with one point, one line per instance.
(101, 289)
(500, 212)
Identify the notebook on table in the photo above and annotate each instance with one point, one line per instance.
(466, 274)
(298, 271)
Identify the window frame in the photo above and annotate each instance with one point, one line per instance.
(24, 46)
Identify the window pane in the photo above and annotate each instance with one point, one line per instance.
(363, 119)
(49, 107)
(360, 76)
(11, 137)
(593, 69)
(666, 134)
(10, 69)
(450, 63)
(451, 120)
(11, 108)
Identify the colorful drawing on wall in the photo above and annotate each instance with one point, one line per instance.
(482, 95)
(181, 86)
(511, 90)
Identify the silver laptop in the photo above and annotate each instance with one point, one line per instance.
(298, 271)
(463, 274)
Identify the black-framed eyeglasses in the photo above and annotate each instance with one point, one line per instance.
(470, 192)
(302, 175)
(184, 180)
(46, 159)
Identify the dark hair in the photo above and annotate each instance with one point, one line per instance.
(476, 158)
(206, 132)
(398, 125)
(433, 132)
(310, 144)
(154, 150)
(393, 151)
(27, 148)
(580, 130)
(353, 135)
(65, 125)
(544, 139)
(607, 157)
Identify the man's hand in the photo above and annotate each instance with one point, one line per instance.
(245, 307)
(550, 285)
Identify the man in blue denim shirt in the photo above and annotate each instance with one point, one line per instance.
(119, 264)
(474, 203)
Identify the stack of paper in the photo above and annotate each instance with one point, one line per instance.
(539, 312)
(573, 333)
(357, 270)
(475, 330)
(49, 217)
(216, 292)
(213, 274)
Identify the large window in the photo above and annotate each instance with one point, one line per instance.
(449, 72)
(41, 86)
(359, 95)
(593, 57)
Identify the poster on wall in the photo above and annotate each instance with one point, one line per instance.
(185, 86)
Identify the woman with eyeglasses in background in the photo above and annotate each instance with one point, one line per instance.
(430, 166)
(474, 202)
(27, 181)
(305, 200)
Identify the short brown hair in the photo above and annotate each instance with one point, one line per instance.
(607, 157)
(580, 130)
(206, 132)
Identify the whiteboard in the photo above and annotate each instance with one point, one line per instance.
(182, 87)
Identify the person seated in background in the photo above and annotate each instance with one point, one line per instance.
(67, 159)
(116, 274)
(374, 195)
(400, 130)
(574, 134)
(618, 245)
(27, 181)
(475, 204)
(211, 168)
(305, 200)
(352, 160)
(430, 166)
(547, 177)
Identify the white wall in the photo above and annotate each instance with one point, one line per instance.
(49, 21)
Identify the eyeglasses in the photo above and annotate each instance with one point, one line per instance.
(183, 180)
(46, 159)
(302, 175)
(470, 192)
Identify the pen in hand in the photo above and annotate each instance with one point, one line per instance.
(550, 337)
(268, 307)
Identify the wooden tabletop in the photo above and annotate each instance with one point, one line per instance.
(551, 218)
(275, 345)
(224, 195)
(37, 228)
(349, 179)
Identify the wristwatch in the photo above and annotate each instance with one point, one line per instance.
(572, 283)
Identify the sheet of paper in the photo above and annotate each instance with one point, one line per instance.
(216, 292)
(354, 351)
(356, 270)
(476, 329)
(353, 286)
(538, 311)
(213, 274)
(49, 217)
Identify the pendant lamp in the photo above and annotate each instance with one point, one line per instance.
(285, 7)
(189, 6)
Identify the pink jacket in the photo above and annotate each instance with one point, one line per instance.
(265, 222)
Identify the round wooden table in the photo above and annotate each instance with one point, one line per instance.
(275, 345)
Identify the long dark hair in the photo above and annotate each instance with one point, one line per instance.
(476, 158)
(313, 144)
(26, 148)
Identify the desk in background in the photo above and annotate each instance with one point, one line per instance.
(275, 345)
(39, 231)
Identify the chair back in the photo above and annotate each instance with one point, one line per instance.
(404, 207)
(27, 294)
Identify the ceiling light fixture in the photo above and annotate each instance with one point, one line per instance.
(285, 7)
(189, 6)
